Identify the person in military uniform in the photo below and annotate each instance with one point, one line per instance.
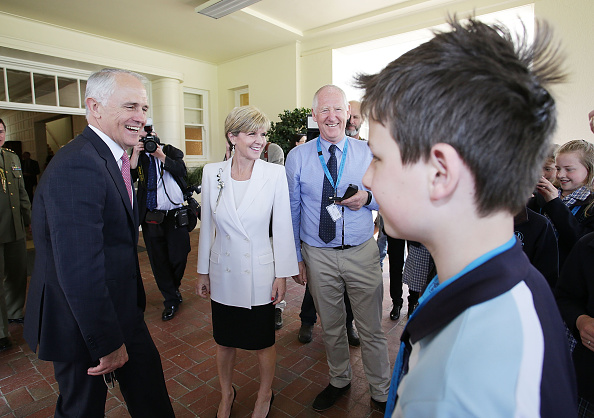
(15, 215)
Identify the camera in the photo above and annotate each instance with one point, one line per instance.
(150, 141)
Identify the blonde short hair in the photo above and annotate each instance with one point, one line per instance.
(245, 119)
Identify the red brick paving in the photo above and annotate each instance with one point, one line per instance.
(28, 387)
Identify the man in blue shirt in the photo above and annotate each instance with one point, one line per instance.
(335, 245)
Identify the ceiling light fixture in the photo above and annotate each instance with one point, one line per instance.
(219, 8)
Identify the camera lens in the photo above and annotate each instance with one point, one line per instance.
(150, 146)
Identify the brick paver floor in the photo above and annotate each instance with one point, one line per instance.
(28, 387)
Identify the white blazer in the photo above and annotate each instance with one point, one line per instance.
(235, 248)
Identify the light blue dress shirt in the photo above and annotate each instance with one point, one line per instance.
(305, 176)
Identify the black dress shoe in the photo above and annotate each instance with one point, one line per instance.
(328, 397)
(169, 313)
(381, 406)
(305, 333)
(232, 402)
(5, 343)
(411, 309)
(179, 296)
(278, 318)
(353, 337)
(395, 312)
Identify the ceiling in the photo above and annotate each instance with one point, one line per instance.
(173, 26)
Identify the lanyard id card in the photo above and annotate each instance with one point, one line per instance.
(334, 212)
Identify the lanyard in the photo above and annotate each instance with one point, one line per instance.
(325, 167)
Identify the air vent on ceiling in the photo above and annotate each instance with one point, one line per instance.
(219, 8)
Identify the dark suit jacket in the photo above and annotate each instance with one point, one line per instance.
(174, 163)
(86, 294)
(30, 171)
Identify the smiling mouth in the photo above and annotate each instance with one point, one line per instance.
(133, 128)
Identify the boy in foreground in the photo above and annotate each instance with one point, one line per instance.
(459, 128)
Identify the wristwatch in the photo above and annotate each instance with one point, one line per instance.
(369, 197)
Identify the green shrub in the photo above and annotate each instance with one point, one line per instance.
(194, 175)
(291, 122)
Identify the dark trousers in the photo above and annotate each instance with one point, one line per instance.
(168, 249)
(13, 282)
(396, 256)
(308, 309)
(141, 382)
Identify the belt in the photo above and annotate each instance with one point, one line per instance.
(167, 212)
(342, 247)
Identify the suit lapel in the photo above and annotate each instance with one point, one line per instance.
(228, 196)
(113, 169)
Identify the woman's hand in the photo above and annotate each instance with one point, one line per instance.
(203, 285)
(279, 288)
(585, 324)
(546, 189)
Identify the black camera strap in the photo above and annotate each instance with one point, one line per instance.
(165, 188)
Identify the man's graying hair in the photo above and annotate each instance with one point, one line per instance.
(101, 85)
(481, 90)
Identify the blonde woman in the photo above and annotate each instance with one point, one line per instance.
(242, 269)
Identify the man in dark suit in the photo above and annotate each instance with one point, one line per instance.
(160, 197)
(30, 173)
(86, 298)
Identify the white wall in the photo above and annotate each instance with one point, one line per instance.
(272, 80)
(572, 22)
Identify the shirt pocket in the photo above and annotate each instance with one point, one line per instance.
(266, 258)
(17, 173)
(214, 257)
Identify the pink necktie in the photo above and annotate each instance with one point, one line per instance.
(126, 174)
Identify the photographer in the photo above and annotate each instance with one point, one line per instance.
(160, 197)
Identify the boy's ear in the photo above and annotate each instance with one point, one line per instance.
(445, 167)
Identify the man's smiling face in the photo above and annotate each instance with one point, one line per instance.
(331, 114)
(123, 116)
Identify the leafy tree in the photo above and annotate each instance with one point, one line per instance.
(291, 122)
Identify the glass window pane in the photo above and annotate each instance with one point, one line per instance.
(193, 116)
(45, 89)
(83, 89)
(194, 132)
(193, 148)
(193, 100)
(19, 86)
(68, 92)
(2, 92)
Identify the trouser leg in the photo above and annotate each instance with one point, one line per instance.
(361, 272)
(81, 395)
(396, 256)
(141, 379)
(327, 290)
(308, 309)
(168, 251)
(15, 284)
(3, 313)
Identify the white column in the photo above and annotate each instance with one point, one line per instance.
(167, 111)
